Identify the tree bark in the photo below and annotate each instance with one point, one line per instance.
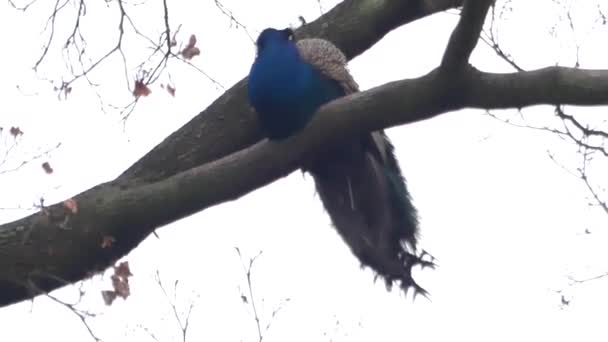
(61, 245)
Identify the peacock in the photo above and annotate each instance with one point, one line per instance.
(359, 181)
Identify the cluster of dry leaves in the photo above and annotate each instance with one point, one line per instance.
(190, 51)
(120, 284)
(16, 132)
(122, 272)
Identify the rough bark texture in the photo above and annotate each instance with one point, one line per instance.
(56, 247)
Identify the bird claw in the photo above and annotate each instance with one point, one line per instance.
(407, 280)
(400, 271)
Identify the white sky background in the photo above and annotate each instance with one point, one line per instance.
(505, 222)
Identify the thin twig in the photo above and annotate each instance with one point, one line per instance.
(247, 271)
(183, 325)
(581, 281)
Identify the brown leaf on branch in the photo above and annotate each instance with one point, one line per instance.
(16, 131)
(47, 168)
(71, 205)
(191, 50)
(107, 241)
(141, 89)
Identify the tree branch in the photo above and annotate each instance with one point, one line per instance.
(229, 125)
(466, 34)
(58, 246)
(51, 248)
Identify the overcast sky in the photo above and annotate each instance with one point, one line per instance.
(506, 223)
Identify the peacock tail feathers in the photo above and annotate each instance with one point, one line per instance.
(363, 190)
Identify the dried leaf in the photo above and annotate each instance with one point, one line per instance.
(47, 168)
(121, 286)
(120, 283)
(191, 50)
(16, 131)
(190, 53)
(171, 90)
(71, 205)
(141, 89)
(108, 297)
(107, 241)
(123, 270)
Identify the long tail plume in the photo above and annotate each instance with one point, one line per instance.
(363, 190)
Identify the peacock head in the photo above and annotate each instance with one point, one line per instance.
(271, 37)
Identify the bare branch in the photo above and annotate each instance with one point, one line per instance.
(490, 38)
(81, 66)
(149, 332)
(82, 315)
(183, 323)
(593, 192)
(168, 36)
(585, 280)
(27, 161)
(21, 8)
(583, 175)
(509, 122)
(232, 19)
(582, 139)
(51, 21)
(585, 130)
(247, 271)
(466, 34)
(585, 138)
(217, 84)
(603, 18)
(252, 299)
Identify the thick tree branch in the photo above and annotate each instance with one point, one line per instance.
(229, 125)
(466, 34)
(57, 246)
(552, 85)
